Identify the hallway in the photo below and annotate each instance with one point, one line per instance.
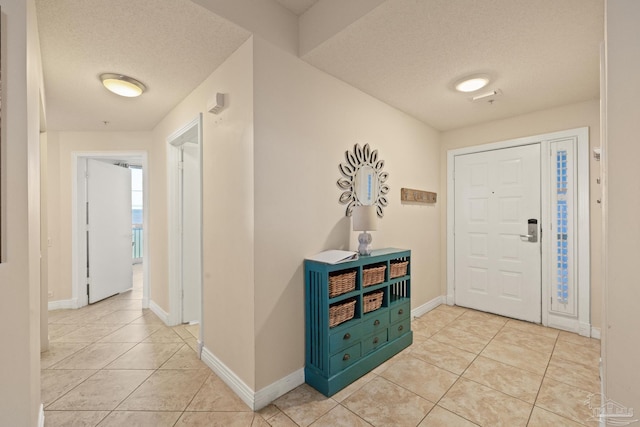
(115, 364)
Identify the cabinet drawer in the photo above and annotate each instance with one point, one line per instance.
(343, 359)
(375, 321)
(372, 342)
(400, 312)
(344, 339)
(399, 328)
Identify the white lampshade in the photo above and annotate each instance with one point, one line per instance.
(364, 218)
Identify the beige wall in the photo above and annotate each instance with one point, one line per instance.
(20, 267)
(228, 281)
(305, 120)
(621, 343)
(61, 146)
(547, 121)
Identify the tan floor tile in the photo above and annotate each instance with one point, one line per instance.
(454, 309)
(258, 421)
(440, 417)
(54, 383)
(103, 391)
(268, 411)
(181, 330)
(164, 334)
(59, 351)
(88, 333)
(443, 356)
(440, 317)
(420, 377)
(484, 317)
(140, 419)
(543, 418)
(424, 329)
(94, 356)
(519, 357)
(479, 327)
(149, 318)
(341, 417)
(145, 356)
(527, 340)
(353, 387)
(121, 316)
(565, 400)
(281, 420)
(57, 330)
(73, 418)
(577, 353)
(185, 358)
(485, 406)
(192, 343)
(574, 374)
(194, 330)
(215, 395)
(131, 333)
(507, 379)
(216, 419)
(532, 328)
(167, 390)
(578, 339)
(304, 405)
(121, 304)
(382, 403)
(462, 339)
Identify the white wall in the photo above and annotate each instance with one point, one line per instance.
(621, 343)
(547, 121)
(305, 120)
(227, 208)
(20, 269)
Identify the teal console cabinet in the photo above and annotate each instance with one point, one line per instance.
(356, 325)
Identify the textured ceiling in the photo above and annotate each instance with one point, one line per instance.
(297, 6)
(407, 53)
(169, 45)
(540, 53)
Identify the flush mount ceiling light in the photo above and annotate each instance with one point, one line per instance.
(472, 83)
(122, 85)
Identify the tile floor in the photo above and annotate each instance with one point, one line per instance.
(115, 364)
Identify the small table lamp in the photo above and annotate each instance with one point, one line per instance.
(364, 219)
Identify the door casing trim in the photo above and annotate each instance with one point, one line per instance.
(582, 323)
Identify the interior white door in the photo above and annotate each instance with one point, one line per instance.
(109, 230)
(191, 233)
(497, 269)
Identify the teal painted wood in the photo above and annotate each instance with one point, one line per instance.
(335, 357)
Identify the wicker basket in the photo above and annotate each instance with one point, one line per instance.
(342, 283)
(373, 276)
(339, 313)
(398, 269)
(372, 301)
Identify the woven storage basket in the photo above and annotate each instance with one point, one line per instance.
(342, 283)
(398, 269)
(373, 276)
(372, 301)
(339, 313)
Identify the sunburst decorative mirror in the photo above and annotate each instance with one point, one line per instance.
(363, 181)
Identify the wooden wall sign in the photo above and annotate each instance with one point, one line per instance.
(417, 196)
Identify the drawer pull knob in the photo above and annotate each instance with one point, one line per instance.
(376, 323)
(400, 328)
(346, 357)
(347, 336)
(375, 340)
(400, 311)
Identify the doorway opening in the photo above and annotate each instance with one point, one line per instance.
(184, 157)
(102, 262)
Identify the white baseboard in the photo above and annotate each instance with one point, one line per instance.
(254, 400)
(428, 306)
(595, 332)
(158, 311)
(63, 304)
(41, 416)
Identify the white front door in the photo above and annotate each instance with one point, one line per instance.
(109, 230)
(497, 193)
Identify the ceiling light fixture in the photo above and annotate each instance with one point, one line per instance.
(122, 85)
(472, 83)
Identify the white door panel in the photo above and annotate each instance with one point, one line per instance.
(109, 229)
(191, 235)
(496, 270)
